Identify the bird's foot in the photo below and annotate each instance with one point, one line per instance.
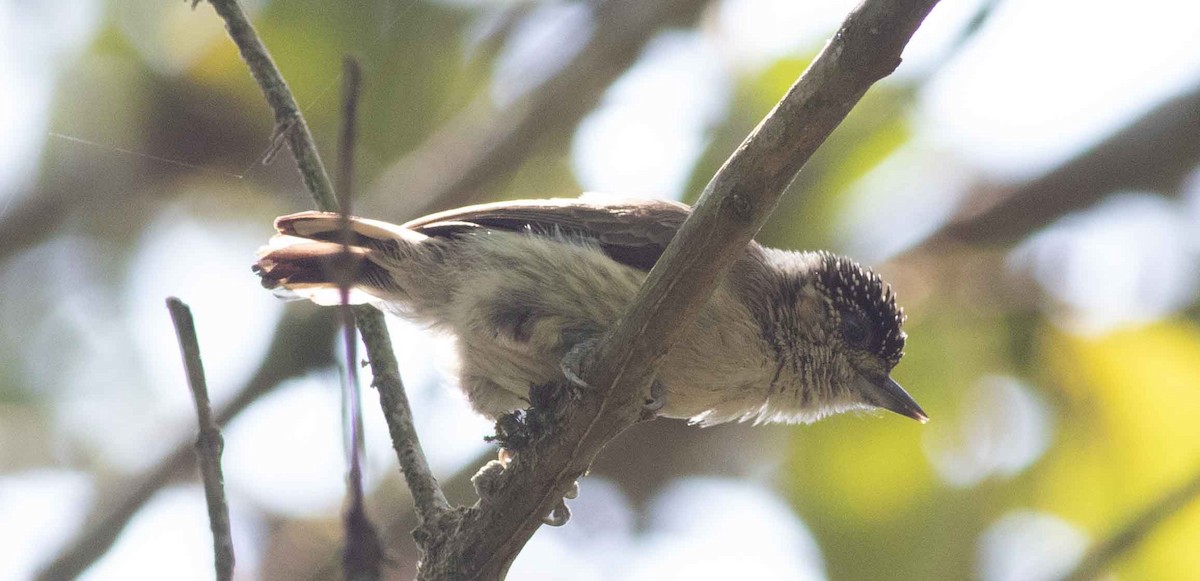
(657, 399)
(572, 363)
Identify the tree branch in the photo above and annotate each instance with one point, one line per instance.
(289, 122)
(300, 340)
(733, 207)
(292, 353)
(1154, 152)
(1093, 564)
(209, 442)
(430, 500)
(480, 144)
(362, 557)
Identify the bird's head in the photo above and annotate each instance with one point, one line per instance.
(836, 330)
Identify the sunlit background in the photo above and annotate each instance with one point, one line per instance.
(1054, 343)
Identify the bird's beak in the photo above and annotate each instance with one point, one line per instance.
(884, 392)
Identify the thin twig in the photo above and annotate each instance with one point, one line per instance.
(294, 351)
(733, 207)
(351, 81)
(209, 442)
(479, 144)
(363, 554)
(1102, 555)
(289, 122)
(431, 502)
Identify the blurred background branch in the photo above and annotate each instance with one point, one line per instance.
(480, 144)
(292, 354)
(1154, 152)
(1101, 557)
(362, 552)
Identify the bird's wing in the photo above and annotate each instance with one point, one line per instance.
(631, 232)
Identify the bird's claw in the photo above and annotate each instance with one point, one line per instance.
(572, 363)
(657, 399)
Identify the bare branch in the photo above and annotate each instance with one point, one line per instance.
(429, 499)
(1155, 153)
(351, 82)
(295, 350)
(480, 144)
(1094, 563)
(734, 206)
(362, 558)
(209, 442)
(290, 120)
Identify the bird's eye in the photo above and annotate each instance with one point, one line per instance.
(854, 331)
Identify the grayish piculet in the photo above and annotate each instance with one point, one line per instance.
(786, 337)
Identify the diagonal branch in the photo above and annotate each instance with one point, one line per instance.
(733, 207)
(1093, 564)
(289, 122)
(431, 503)
(1154, 152)
(479, 144)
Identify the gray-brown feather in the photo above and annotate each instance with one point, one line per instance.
(519, 283)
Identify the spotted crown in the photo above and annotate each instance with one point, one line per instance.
(854, 289)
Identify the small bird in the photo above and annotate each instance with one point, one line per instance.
(525, 285)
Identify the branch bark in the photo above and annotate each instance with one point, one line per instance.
(733, 207)
(291, 124)
(292, 353)
(209, 442)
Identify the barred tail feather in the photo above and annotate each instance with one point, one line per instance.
(307, 259)
(328, 227)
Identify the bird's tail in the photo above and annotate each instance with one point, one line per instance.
(314, 255)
